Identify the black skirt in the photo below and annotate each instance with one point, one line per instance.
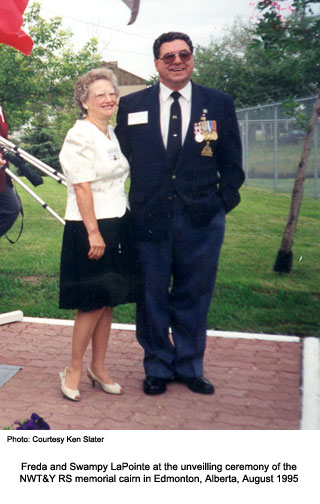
(113, 279)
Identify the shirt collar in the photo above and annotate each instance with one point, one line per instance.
(165, 92)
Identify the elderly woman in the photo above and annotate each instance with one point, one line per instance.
(99, 269)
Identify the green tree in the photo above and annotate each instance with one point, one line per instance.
(277, 58)
(31, 84)
(39, 139)
(295, 37)
(290, 43)
(223, 64)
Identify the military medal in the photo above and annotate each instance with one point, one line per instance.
(205, 130)
(198, 136)
(207, 150)
(210, 130)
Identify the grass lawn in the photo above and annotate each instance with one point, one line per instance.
(249, 296)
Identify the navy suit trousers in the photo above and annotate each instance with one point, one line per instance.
(180, 273)
(10, 207)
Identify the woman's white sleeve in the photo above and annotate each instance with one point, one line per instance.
(77, 157)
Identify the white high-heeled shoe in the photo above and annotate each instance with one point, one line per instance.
(72, 394)
(113, 388)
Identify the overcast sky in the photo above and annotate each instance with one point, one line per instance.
(131, 45)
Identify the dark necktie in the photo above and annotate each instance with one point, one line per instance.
(174, 135)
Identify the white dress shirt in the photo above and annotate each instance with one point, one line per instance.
(165, 105)
(87, 155)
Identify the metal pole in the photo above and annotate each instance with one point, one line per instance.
(57, 176)
(246, 147)
(315, 159)
(34, 195)
(275, 149)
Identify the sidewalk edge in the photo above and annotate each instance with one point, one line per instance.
(210, 333)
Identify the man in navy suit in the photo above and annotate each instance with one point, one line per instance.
(184, 151)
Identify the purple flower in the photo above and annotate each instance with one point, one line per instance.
(34, 423)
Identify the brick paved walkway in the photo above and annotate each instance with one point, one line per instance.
(257, 385)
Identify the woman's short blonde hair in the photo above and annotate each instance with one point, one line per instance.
(81, 91)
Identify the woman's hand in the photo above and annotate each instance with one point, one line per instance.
(86, 208)
(97, 245)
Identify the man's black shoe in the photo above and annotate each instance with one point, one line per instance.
(153, 385)
(198, 384)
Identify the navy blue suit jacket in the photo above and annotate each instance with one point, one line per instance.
(203, 184)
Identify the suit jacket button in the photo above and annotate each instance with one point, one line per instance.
(174, 177)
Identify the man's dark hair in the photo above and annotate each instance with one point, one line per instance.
(169, 37)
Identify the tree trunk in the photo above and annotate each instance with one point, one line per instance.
(283, 263)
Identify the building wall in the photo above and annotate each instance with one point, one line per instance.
(128, 82)
(125, 90)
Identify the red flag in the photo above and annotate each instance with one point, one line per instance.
(134, 6)
(11, 21)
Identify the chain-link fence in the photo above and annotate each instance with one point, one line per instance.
(272, 147)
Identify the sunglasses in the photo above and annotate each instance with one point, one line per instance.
(170, 57)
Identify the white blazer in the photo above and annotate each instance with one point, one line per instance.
(87, 155)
